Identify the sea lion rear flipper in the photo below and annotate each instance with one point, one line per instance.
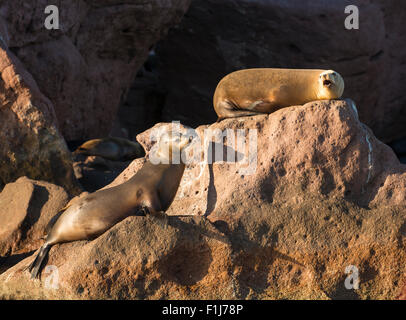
(36, 266)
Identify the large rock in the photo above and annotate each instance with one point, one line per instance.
(324, 194)
(321, 145)
(30, 143)
(217, 37)
(86, 67)
(26, 207)
(321, 201)
(139, 258)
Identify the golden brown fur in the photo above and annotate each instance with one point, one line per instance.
(116, 149)
(151, 190)
(255, 91)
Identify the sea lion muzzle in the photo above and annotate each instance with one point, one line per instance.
(327, 83)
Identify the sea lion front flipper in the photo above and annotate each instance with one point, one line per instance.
(226, 109)
(241, 113)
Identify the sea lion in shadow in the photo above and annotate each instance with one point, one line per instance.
(111, 148)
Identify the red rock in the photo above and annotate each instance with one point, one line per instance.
(326, 194)
(26, 206)
(321, 145)
(117, 265)
(325, 202)
(30, 143)
(86, 67)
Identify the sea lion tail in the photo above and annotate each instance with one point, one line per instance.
(36, 266)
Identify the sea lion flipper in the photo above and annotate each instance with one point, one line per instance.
(36, 266)
(241, 113)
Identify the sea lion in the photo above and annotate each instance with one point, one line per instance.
(111, 148)
(151, 190)
(256, 91)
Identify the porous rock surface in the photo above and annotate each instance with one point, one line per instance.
(30, 142)
(325, 194)
(324, 203)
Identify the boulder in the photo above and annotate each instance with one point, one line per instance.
(217, 37)
(139, 258)
(30, 143)
(86, 66)
(322, 145)
(321, 195)
(26, 207)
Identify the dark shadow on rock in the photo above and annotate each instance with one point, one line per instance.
(186, 264)
(372, 188)
(222, 226)
(340, 292)
(253, 259)
(227, 154)
(327, 183)
(176, 222)
(10, 261)
(211, 193)
(37, 202)
(94, 179)
(267, 187)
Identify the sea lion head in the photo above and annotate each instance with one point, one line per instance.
(99, 147)
(330, 85)
(172, 143)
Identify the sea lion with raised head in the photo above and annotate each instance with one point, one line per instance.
(256, 91)
(111, 148)
(151, 190)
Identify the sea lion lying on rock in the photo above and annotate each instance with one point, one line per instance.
(255, 91)
(116, 149)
